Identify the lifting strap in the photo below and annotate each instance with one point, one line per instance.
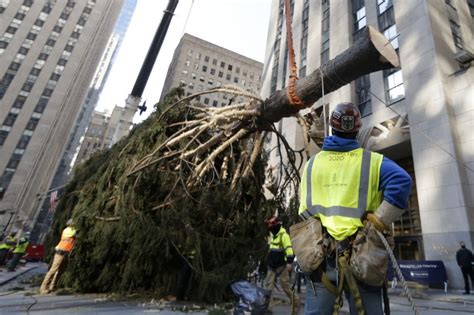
(347, 282)
(291, 92)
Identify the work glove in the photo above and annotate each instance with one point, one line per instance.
(384, 216)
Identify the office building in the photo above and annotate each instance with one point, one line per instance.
(49, 52)
(420, 115)
(198, 65)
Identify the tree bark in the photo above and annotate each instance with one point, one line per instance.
(371, 53)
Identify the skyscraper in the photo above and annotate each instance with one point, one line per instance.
(97, 84)
(49, 53)
(420, 115)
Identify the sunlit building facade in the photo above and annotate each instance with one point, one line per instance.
(49, 51)
(420, 115)
(198, 66)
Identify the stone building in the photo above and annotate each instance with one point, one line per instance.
(420, 115)
(198, 65)
(49, 53)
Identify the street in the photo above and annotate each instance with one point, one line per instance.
(19, 295)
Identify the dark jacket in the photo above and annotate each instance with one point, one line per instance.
(464, 258)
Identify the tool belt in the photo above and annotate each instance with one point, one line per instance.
(311, 244)
(366, 255)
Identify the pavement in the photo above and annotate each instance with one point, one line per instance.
(20, 296)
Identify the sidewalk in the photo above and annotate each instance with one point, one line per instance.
(7, 276)
(428, 301)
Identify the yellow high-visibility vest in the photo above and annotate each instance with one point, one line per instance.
(281, 243)
(21, 247)
(338, 187)
(8, 243)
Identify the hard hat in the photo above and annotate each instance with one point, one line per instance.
(272, 222)
(346, 117)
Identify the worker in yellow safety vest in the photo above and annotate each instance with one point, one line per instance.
(19, 251)
(350, 190)
(279, 260)
(7, 245)
(62, 250)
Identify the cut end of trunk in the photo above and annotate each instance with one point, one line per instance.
(384, 47)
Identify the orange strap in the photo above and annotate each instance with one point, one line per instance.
(291, 92)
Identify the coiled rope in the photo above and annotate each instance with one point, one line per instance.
(399, 272)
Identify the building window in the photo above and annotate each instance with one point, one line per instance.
(32, 123)
(214, 61)
(55, 77)
(236, 80)
(202, 79)
(47, 92)
(206, 58)
(204, 68)
(82, 21)
(359, 19)
(184, 73)
(214, 103)
(47, 8)
(43, 56)
(10, 119)
(222, 64)
(27, 86)
(23, 50)
(362, 89)
(193, 76)
(11, 30)
(213, 71)
(206, 101)
(19, 102)
(62, 62)
(456, 31)
(228, 76)
(229, 67)
(69, 48)
(392, 35)
(221, 74)
(58, 29)
(394, 85)
(383, 5)
(325, 32)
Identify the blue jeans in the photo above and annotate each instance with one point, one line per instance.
(323, 302)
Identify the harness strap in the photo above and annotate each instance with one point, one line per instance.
(347, 279)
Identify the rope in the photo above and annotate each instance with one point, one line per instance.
(291, 91)
(399, 272)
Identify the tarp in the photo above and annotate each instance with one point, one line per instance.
(251, 298)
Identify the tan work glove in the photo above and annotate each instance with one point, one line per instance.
(384, 216)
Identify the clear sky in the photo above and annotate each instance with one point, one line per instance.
(238, 25)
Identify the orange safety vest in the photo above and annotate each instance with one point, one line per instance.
(68, 238)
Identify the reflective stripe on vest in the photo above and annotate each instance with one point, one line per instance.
(337, 206)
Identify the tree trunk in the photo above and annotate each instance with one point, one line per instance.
(371, 53)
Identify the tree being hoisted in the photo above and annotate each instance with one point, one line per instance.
(190, 179)
(230, 124)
